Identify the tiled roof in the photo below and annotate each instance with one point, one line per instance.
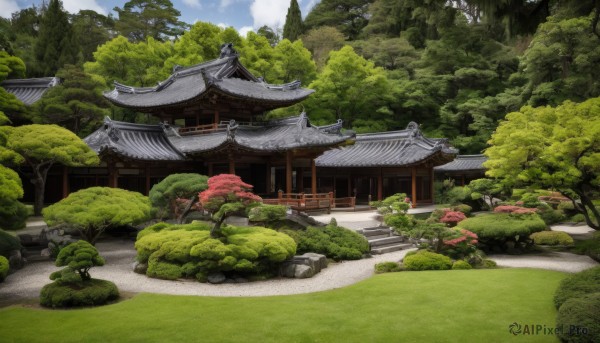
(389, 149)
(464, 163)
(163, 143)
(29, 90)
(279, 135)
(225, 76)
(134, 141)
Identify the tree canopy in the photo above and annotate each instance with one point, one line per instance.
(142, 19)
(293, 22)
(552, 148)
(92, 210)
(165, 195)
(41, 146)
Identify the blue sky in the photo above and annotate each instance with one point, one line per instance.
(243, 15)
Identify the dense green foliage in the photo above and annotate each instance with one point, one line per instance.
(92, 210)
(460, 264)
(579, 319)
(503, 225)
(426, 260)
(551, 148)
(267, 213)
(332, 241)
(164, 195)
(76, 104)
(4, 267)
(578, 285)
(42, 146)
(92, 292)
(387, 267)
(259, 319)
(174, 251)
(141, 19)
(552, 238)
(8, 243)
(79, 258)
(293, 22)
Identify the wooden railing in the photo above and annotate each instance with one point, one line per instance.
(208, 128)
(311, 202)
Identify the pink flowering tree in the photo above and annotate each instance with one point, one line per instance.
(226, 195)
(451, 218)
(462, 243)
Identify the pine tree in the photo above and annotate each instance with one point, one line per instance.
(55, 45)
(293, 22)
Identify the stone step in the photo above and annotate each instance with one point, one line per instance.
(390, 248)
(385, 241)
(379, 232)
(371, 238)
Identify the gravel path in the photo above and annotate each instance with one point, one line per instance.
(560, 261)
(119, 256)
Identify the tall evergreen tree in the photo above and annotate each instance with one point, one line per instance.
(293, 22)
(56, 44)
(140, 19)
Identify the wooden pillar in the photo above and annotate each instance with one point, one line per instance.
(147, 181)
(113, 175)
(216, 119)
(380, 185)
(313, 176)
(431, 187)
(65, 182)
(288, 172)
(414, 186)
(231, 165)
(268, 174)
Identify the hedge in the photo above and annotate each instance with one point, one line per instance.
(4, 266)
(552, 238)
(92, 292)
(387, 267)
(460, 264)
(427, 260)
(332, 241)
(188, 250)
(577, 285)
(579, 319)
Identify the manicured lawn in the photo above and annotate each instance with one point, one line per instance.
(436, 306)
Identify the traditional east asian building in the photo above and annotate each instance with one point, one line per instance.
(29, 91)
(210, 123)
(463, 169)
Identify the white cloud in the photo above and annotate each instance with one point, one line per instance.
(223, 25)
(225, 3)
(244, 30)
(269, 12)
(7, 7)
(74, 6)
(193, 3)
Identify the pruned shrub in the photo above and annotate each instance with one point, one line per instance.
(495, 231)
(8, 243)
(92, 292)
(4, 266)
(488, 264)
(552, 238)
(387, 267)
(579, 319)
(174, 251)
(577, 285)
(460, 264)
(13, 214)
(332, 241)
(267, 213)
(426, 260)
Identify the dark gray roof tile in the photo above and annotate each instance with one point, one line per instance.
(29, 90)
(388, 149)
(464, 163)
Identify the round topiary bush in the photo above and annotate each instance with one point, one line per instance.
(577, 285)
(8, 243)
(579, 319)
(3, 268)
(387, 267)
(175, 251)
(489, 264)
(552, 238)
(460, 264)
(91, 292)
(427, 260)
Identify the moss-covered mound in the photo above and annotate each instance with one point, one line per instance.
(91, 292)
(175, 251)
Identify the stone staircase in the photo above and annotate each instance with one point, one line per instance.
(383, 240)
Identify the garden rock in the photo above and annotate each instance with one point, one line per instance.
(303, 271)
(45, 252)
(140, 268)
(237, 221)
(16, 260)
(288, 269)
(216, 278)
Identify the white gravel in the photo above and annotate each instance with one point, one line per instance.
(119, 256)
(560, 261)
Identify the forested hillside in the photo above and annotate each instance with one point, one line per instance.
(455, 67)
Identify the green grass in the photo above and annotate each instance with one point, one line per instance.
(431, 306)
